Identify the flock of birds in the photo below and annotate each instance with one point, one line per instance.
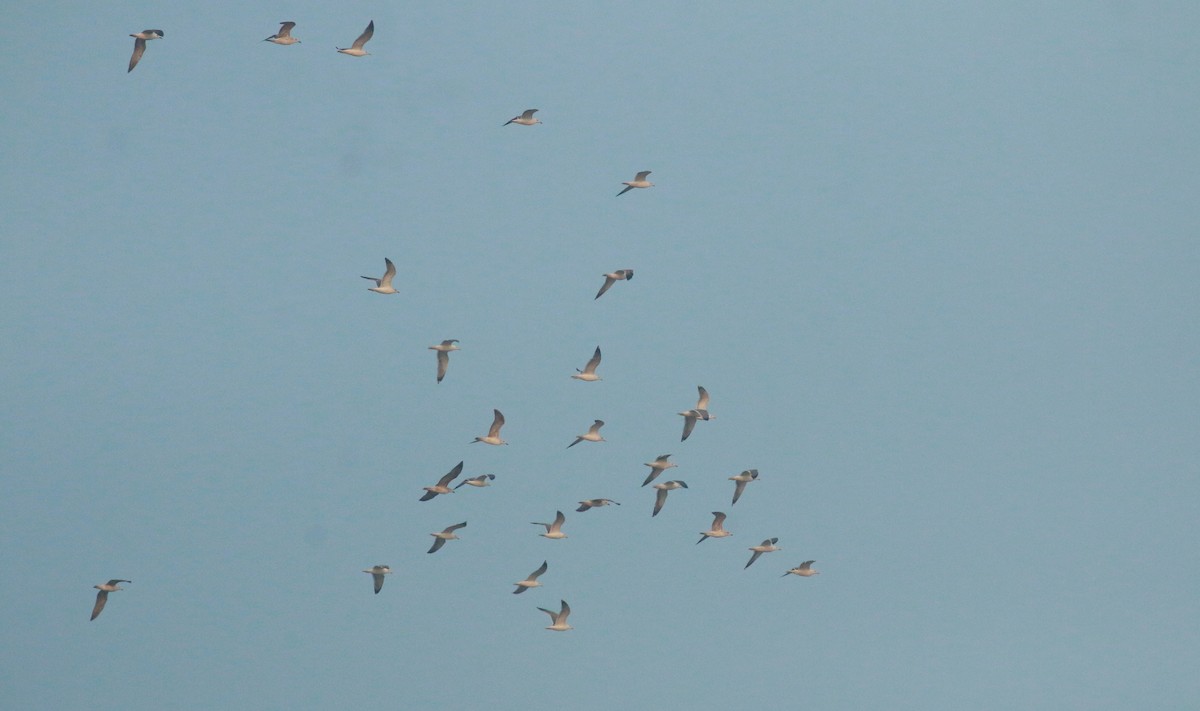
(699, 413)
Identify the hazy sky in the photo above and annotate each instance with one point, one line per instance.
(936, 264)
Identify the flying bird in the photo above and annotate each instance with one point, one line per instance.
(383, 285)
(553, 530)
(767, 546)
(105, 589)
(443, 355)
(594, 503)
(588, 374)
(377, 572)
(612, 278)
(531, 581)
(443, 485)
(356, 49)
(139, 48)
(742, 480)
(658, 466)
(639, 181)
(661, 497)
(447, 534)
(717, 530)
(284, 36)
(699, 413)
(804, 570)
(559, 619)
(525, 119)
(479, 481)
(493, 435)
(592, 435)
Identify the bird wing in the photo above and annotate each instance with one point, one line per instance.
(541, 569)
(450, 475)
(627, 189)
(702, 403)
(608, 281)
(378, 581)
(807, 565)
(365, 36)
(752, 559)
(559, 520)
(564, 613)
(718, 520)
(428, 495)
(285, 30)
(139, 48)
(497, 423)
(737, 491)
(455, 527)
(443, 359)
(101, 599)
(659, 500)
(653, 475)
(437, 545)
(593, 363)
(595, 428)
(641, 175)
(389, 274)
(689, 422)
(528, 113)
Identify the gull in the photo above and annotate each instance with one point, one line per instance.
(588, 374)
(593, 503)
(717, 530)
(559, 619)
(139, 48)
(804, 570)
(493, 435)
(356, 49)
(767, 546)
(699, 413)
(742, 480)
(443, 355)
(639, 181)
(531, 581)
(443, 485)
(658, 466)
(284, 36)
(592, 435)
(661, 497)
(447, 534)
(102, 596)
(383, 285)
(378, 571)
(553, 530)
(525, 119)
(612, 278)
(480, 481)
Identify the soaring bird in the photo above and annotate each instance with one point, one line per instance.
(284, 36)
(588, 374)
(767, 546)
(595, 503)
(658, 466)
(525, 119)
(612, 278)
(531, 581)
(742, 480)
(639, 181)
(443, 485)
(717, 530)
(356, 49)
(447, 534)
(493, 435)
(559, 619)
(383, 284)
(699, 413)
(804, 570)
(479, 481)
(378, 571)
(553, 530)
(661, 497)
(592, 435)
(105, 589)
(443, 355)
(139, 48)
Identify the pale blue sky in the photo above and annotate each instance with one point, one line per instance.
(936, 264)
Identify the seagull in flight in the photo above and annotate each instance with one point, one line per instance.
(661, 497)
(717, 530)
(493, 435)
(377, 572)
(699, 413)
(658, 466)
(479, 481)
(447, 534)
(612, 278)
(102, 596)
(553, 530)
(742, 480)
(559, 619)
(594, 503)
(443, 485)
(139, 48)
(525, 119)
(532, 580)
(588, 374)
(804, 570)
(284, 36)
(356, 49)
(592, 435)
(639, 181)
(767, 546)
(383, 285)
(443, 355)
